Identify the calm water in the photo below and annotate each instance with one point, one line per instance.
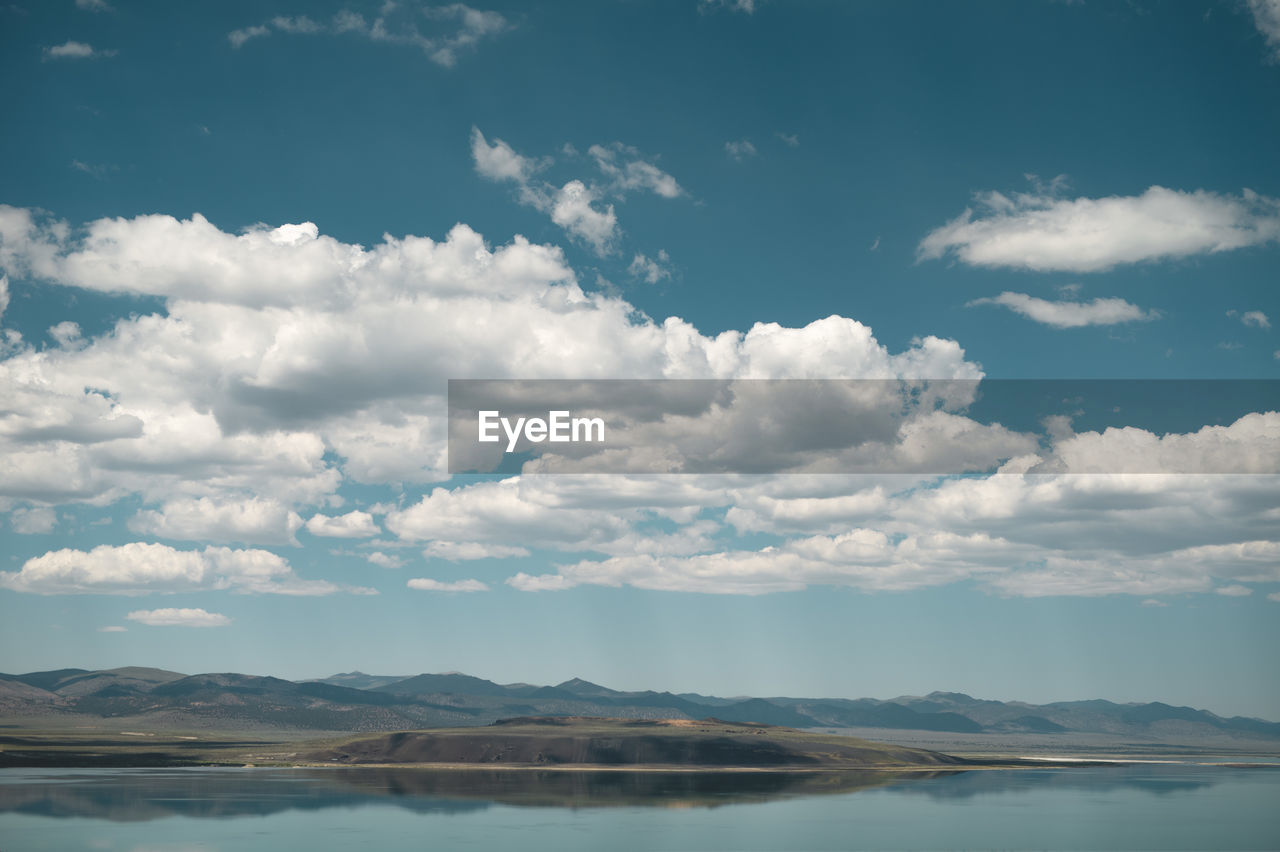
(1147, 807)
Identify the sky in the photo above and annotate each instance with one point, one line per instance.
(244, 247)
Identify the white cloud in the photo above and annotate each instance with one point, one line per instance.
(1251, 444)
(499, 161)
(747, 6)
(740, 149)
(384, 560)
(651, 269)
(579, 207)
(240, 36)
(1065, 314)
(628, 171)
(1043, 232)
(38, 520)
(571, 209)
(252, 520)
(4, 294)
(113, 628)
(76, 50)
(1234, 591)
(355, 524)
(139, 568)
(178, 618)
(426, 584)
(452, 28)
(1257, 319)
(288, 392)
(65, 333)
(464, 551)
(791, 140)
(94, 6)
(1266, 17)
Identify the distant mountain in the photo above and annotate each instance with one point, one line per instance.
(355, 701)
(360, 680)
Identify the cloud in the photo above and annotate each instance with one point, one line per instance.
(4, 294)
(791, 140)
(327, 379)
(39, 520)
(1064, 314)
(178, 618)
(740, 150)
(628, 171)
(76, 50)
(139, 568)
(1257, 319)
(650, 269)
(579, 207)
(383, 560)
(499, 161)
(1042, 232)
(745, 6)
(253, 520)
(571, 209)
(113, 628)
(240, 36)
(94, 6)
(427, 584)
(452, 29)
(351, 525)
(1234, 591)
(1266, 17)
(464, 551)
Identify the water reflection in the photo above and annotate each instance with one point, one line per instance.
(147, 794)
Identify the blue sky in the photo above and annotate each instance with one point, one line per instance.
(245, 245)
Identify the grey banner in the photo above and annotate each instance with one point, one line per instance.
(953, 426)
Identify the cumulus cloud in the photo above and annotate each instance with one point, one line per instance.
(1043, 232)
(740, 149)
(76, 50)
(287, 393)
(571, 209)
(651, 269)
(355, 524)
(178, 618)
(426, 584)
(252, 521)
(1067, 314)
(384, 560)
(581, 208)
(1014, 535)
(455, 551)
(37, 520)
(627, 171)
(745, 6)
(499, 161)
(140, 568)
(1257, 319)
(1266, 17)
(452, 29)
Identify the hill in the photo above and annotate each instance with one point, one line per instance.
(136, 698)
(595, 742)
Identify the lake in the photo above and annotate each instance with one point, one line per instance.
(1162, 807)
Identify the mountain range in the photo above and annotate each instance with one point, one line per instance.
(354, 701)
